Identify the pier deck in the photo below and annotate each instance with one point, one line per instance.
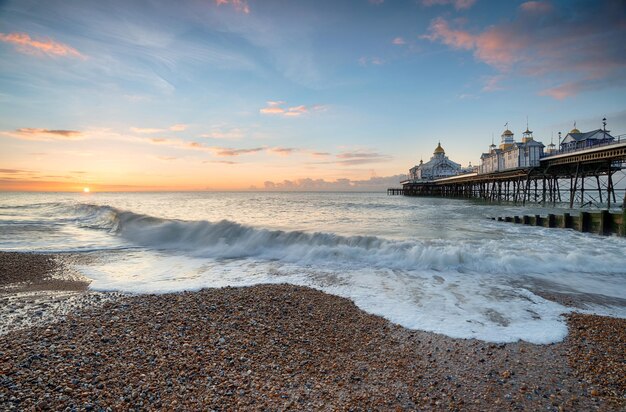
(583, 177)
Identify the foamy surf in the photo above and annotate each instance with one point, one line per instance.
(466, 277)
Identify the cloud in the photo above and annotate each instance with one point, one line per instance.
(151, 130)
(581, 44)
(13, 171)
(376, 2)
(492, 83)
(229, 134)
(308, 184)
(458, 4)
(274, 108)
(145, 130)
(283, 151)
(166, 158)
(225, 151)
(538, 7)
(239, 5)
(28, 133)
(178, 127)
(356, 158)
(366, 61)
(226, 162)
(25, 44)
(399, 41)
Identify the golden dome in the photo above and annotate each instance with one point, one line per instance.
(574, 130)
(439, 149)
(507, 132)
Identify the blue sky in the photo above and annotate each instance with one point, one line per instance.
(230, 94)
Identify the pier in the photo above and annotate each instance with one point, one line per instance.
(582, 178)
(395, 191)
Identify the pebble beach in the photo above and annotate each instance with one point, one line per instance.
(278, 347)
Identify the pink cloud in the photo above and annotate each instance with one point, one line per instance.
(178, 127)
(283, 151)
(27, 45)
(398, 41)
(538, 7)
(226, 151)
(584, 46)
(217, 133)
(145, 130)
(29, 133)
(274, 108)
(239, 5)
(458, 4)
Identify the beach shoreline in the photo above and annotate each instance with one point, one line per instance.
(279, 347)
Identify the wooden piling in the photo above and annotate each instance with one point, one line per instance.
(567, 222)
(584, 222)
(605, 222)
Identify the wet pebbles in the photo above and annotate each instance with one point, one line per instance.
(283, 347)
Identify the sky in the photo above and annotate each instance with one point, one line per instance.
(291, 94)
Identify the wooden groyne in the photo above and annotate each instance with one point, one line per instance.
(602, 222)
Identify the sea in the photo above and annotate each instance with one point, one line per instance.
(431, 264)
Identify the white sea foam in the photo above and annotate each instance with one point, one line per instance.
(465, 277)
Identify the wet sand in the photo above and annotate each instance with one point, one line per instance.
(281, 347)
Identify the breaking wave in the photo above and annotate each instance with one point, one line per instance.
(230, 240)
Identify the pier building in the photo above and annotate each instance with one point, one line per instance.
(512, 154)
(577, 140)
(437, 167)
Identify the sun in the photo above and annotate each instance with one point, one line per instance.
(86, 190)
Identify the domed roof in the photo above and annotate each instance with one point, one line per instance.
(574, 130)
(507, 132)
(439, 149)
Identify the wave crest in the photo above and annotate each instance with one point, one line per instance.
(226, 240)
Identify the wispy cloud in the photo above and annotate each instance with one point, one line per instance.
(225, 134)
(178, 127)
(283, 151)
(355, 158)
(398, 41)
(145, 130)
(458, 4)
(226, 151)
(152, 130)
(28, 133)
(309, 184)
(320, 154)
(367, 61)
(25, 44)
(274, 108)
(14, 171)
(583, 44)
(239, 5)
(225, 162)
(539, 7)
(361, 158)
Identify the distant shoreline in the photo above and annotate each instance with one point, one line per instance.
(288, 347)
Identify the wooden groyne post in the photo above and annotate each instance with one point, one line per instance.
(602, 222)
